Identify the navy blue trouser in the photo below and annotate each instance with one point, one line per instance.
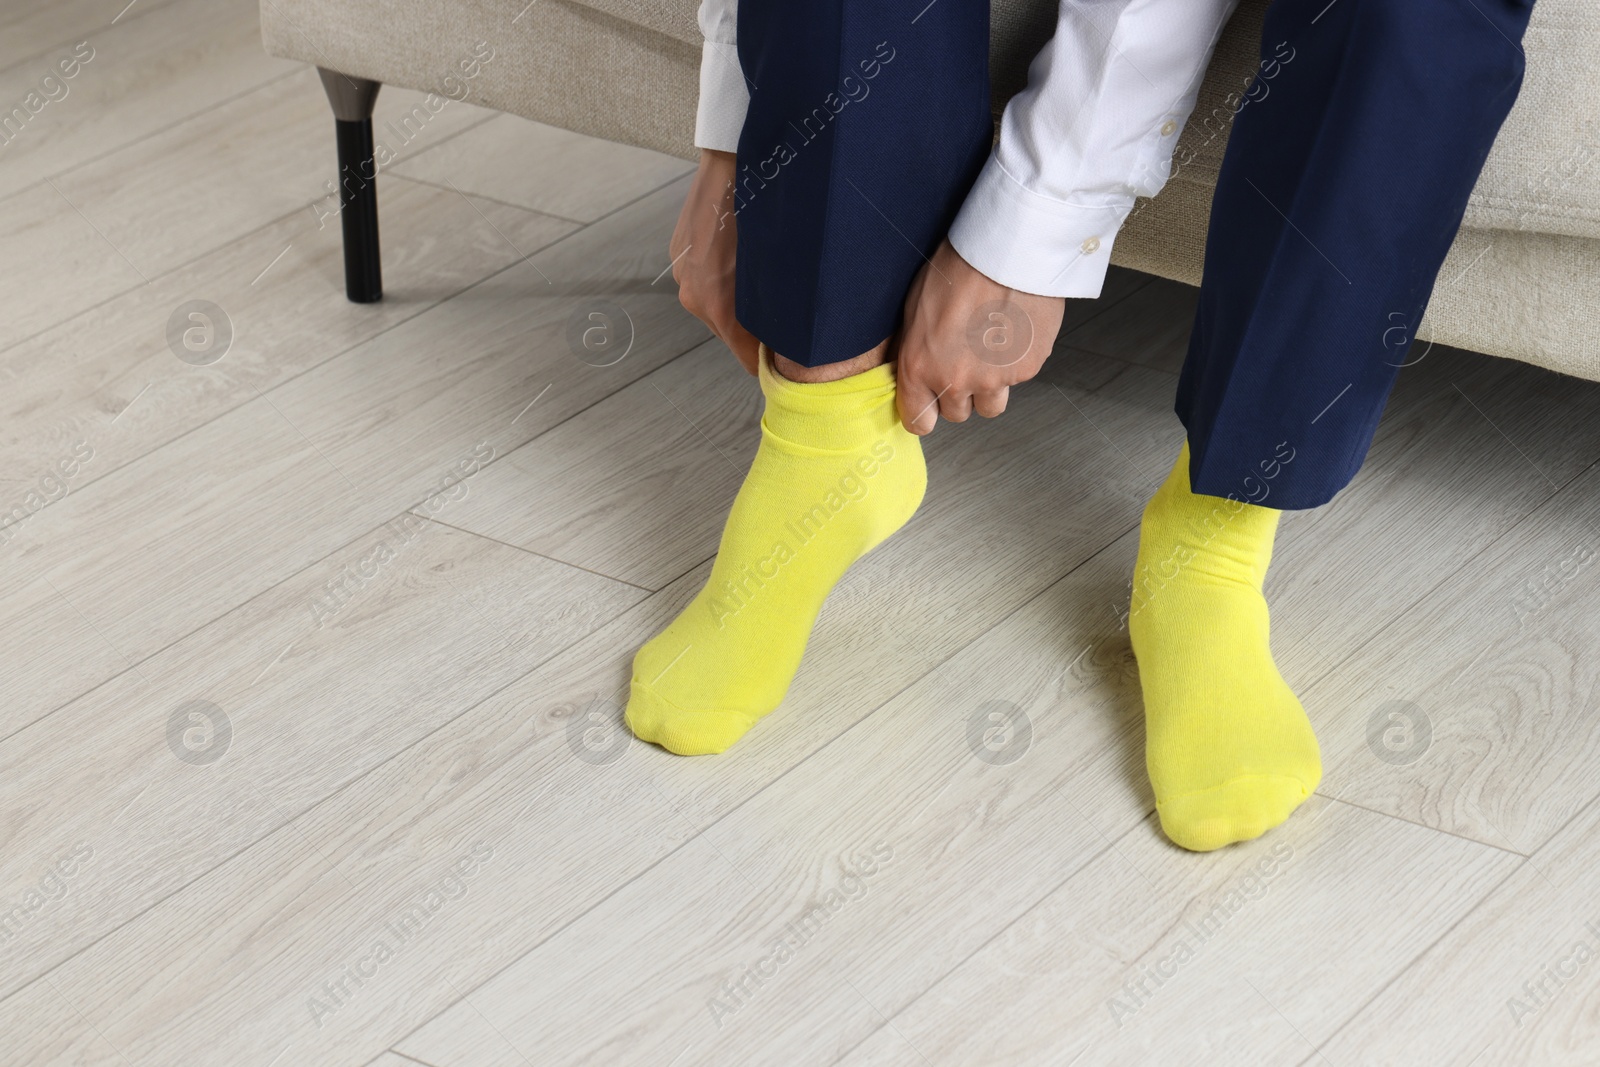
(1340, 193)
(867, 125)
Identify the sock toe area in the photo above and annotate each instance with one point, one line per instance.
(1239, 809)
(684, 731)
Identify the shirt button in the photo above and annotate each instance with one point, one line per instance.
(1091, 246)
(1168, 128)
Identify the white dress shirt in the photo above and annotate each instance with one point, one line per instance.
(1094, 129)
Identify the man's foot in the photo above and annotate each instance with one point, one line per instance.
(1229, 749)
(835, 475)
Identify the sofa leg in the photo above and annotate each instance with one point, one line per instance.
(352, 99)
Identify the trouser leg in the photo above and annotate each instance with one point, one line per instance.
(1340, 193)
(868, 122)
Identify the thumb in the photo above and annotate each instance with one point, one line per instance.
(918, 404)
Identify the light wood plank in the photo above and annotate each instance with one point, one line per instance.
(70, 266)
(542, 168)
(645, 502)
(1500, 662)
(122, 393)
(503, 775)
(1440, 484)
(183, 534)
(147, 72)
(281, 289)
(28, 31)
(55, 1026)
(496, 362)
(52, 653)
(321, 679)
(394, 1059)
(1515, 982)
(1249, 955)
(265, 154)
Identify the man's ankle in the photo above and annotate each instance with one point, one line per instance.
(832, 372)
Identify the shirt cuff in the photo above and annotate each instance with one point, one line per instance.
(723, 98)
(1032, 243)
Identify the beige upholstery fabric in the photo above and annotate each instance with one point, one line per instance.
(1523, 279)
(1544, 173)
(562, 63)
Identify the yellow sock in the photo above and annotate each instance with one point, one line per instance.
(1229, 749)
(835, 474)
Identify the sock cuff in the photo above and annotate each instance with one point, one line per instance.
(839, 415)
(1225, 533)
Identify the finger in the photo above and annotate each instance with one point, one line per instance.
(732, 333)
(919, 405)
(691, 302)
(956, 405)
(745, 347)
(991, 402)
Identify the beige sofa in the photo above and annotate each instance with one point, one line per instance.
(1523, 279)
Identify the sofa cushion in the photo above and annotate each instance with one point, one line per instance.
(671, 18)
(1543, 175)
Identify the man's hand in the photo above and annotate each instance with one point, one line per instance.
(966, 341)
(702, 251)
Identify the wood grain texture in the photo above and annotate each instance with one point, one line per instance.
(518, 161)
(149, 70)
(1514, 982)
(677, 441)
(187, 189)
(498, 363)
(563, 832)
(1243, 956)
(1101, 664)
(124, 393)
(69, 266)
(1483, 696)
(29, 31)
(394, 1059)
(125, 390)
(914, 849)
(320, 679)
(179, 536)
(1440, 485)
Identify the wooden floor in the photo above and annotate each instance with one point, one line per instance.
(312, 645)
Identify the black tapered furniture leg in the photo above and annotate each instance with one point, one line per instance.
(352, 99)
